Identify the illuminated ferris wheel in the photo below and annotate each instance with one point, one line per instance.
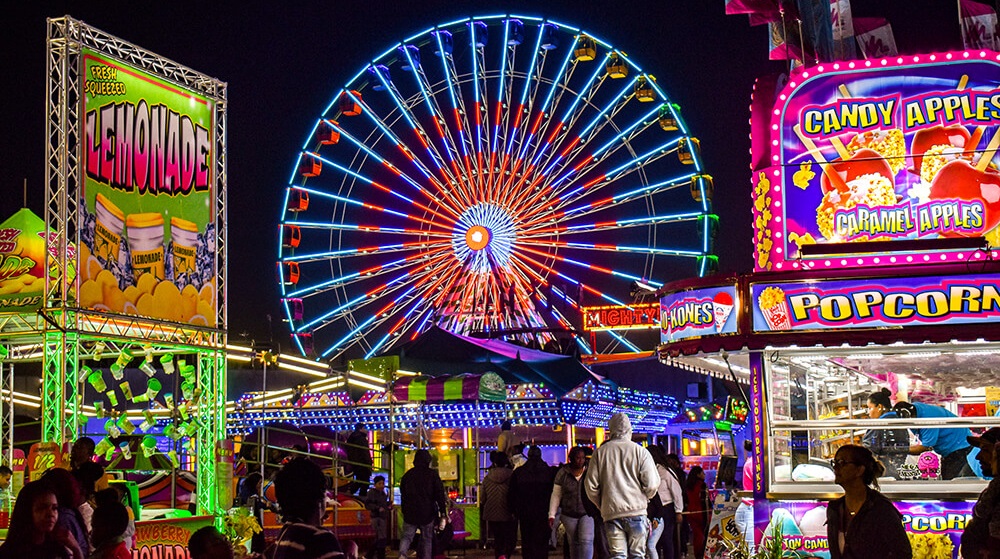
(489, 176)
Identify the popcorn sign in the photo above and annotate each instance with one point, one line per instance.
(878, 150)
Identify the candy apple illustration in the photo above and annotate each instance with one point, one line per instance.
(961, 180)
(923, 140)
(865, 162)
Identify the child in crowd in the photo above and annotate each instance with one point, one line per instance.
(377, 502)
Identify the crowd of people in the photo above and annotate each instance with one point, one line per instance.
(620, 501)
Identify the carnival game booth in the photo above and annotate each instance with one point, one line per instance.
(118, 291)
(875, 267)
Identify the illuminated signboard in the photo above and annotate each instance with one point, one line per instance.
(643, 316)
(698, 312)
(879, 150)
(148, 227)
(872, 303)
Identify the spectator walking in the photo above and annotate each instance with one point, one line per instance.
(110, 520)
(34, 531)
(981, 538)
(507, 441)
(530, 490)
(621, 479)
(209, 543)
(422, 500)
(377, 503)
(700, 509)
(360, 457)
(493, 494)
(682, 532)
(300, 489)
(567, 497)
(863, 523)
(654, 512)
(70, 498)
(671, 497)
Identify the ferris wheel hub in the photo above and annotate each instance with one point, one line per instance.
(477, 237)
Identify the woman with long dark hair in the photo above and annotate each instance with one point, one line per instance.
(699, 509)
(863, 523)
(69, 497)
(33, 531)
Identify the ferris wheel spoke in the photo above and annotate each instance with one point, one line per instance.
(376, 120)
(623, 198)
(450, 206)
(365, 274)
(365, 251)
(541, 234)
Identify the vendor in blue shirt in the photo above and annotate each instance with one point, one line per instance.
(957, 455)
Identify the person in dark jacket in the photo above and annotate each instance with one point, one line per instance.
(981, 537)
(891, 446)
(360, 457)
(421, 496)
(377, 503)
(494, 494)
(863, 523)
(567, 497)
(530, 490)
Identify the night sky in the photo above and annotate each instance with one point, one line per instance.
(284, 61)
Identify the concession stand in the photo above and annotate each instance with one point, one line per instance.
(876, 212)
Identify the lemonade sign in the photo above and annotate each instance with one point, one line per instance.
(148, 233)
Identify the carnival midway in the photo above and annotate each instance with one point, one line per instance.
(506, 328)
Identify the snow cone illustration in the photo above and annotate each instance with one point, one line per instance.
(722, 307)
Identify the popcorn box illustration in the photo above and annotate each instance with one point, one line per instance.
(774, 307)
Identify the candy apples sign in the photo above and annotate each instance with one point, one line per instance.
(879, 150)
(697, 312)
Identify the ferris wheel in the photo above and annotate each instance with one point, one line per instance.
(489, 176)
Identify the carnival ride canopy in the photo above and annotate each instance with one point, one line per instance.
(439, 352)
(486, 386)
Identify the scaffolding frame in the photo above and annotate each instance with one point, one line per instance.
(65, 331)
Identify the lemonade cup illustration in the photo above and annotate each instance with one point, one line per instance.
(145, 238)
(184, 235)
(148, 421)
(117, 371)
(108, 227)
(103, 446)
(125, 425)
(774, 307)
(147, 368)
(96, 379)
(167, 362)
(126, 451)
(126, 390)
(148, 446)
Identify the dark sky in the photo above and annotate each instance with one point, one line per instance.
(283, 62)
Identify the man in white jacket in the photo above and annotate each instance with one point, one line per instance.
(620, 480)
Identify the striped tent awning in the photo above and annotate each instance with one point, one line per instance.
(485, 386)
